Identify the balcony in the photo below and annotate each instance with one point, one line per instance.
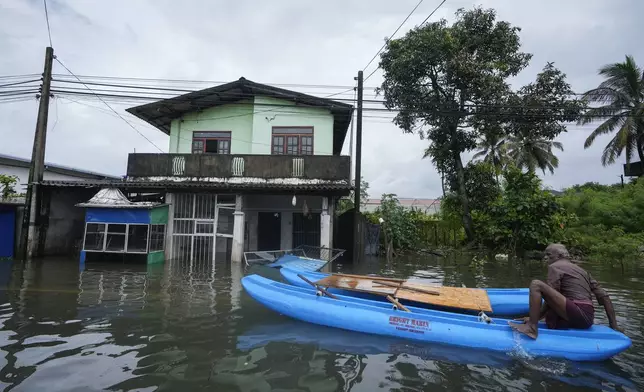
(215, 167)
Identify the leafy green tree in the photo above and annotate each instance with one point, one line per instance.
(529, 152)
(347, 203)
(621, 100)
(436, 72)
(7, 186)
(542, 108)
(524, 217)
(480, 185)
(398, 226)
(535, 116)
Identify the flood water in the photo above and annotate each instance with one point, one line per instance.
(185, 327)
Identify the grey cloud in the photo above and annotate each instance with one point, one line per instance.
(286, 41)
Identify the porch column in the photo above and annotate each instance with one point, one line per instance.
(169, 228)
(237, 254)
(325, 225)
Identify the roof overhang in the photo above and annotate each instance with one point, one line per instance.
(319, 188)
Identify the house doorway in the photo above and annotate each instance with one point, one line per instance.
(306, 229)
(269, 228)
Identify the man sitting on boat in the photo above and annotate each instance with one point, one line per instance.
(567, 296)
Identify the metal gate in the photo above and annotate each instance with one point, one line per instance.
(202, 226)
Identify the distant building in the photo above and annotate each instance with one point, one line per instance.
(11, 210)
(19, 167)
(428, 206)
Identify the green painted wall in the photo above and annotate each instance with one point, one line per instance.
(159, 215)
(320, 119)
(156, 257)
(250, 129)
(236, 118)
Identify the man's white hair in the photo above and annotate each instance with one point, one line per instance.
(559, 250)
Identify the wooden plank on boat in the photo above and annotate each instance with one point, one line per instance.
(453, 297)
(407, 287)
(357, 283)
(379, 278)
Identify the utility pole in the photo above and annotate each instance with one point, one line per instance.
(357, 240)
(29, 235)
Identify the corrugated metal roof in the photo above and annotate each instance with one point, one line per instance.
(114, 198)
(11, 160)
(203, 185)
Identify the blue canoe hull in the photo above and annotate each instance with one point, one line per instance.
(581, 374)
(504, 302)
(374, 317)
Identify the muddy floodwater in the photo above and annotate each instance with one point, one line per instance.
(190, 327)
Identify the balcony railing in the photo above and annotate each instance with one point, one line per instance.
(322, 167)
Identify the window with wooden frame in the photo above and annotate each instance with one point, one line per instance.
(292, 141)
(211, 142)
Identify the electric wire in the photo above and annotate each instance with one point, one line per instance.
(392, 35)
(106, 104)
(51, 45)
(385, 44)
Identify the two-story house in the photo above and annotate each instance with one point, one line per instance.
(250, 167)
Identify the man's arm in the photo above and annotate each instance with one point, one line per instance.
(610, 311)
(604, 299)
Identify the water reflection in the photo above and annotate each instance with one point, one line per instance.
(189, 326)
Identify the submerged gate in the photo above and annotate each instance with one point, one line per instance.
(202, 227)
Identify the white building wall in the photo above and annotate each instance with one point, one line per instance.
(23, 176)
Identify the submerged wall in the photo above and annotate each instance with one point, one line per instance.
(63, 222)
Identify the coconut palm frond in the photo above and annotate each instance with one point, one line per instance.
(622, 96)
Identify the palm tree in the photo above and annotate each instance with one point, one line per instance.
(491, 150)
(621, 95)
(528, 152)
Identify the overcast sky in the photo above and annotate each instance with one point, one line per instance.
(284, 41)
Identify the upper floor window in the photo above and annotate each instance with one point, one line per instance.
(292, 141)
(211, 142)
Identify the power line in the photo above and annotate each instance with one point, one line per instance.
(181, 90)
(166, 95)
(17, 83)
(342, 92)
(47, 19)
(55, 122)
(385, 44)
(15, 99)
(392, 35)
(432, 13)
(5, 94)
(211, 82)
(196, 81)
(445, 108)
(23, 76)
(106, 104)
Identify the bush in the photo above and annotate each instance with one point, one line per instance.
(7, 186)
(411, 229)
(523, 216)
(609, 221)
